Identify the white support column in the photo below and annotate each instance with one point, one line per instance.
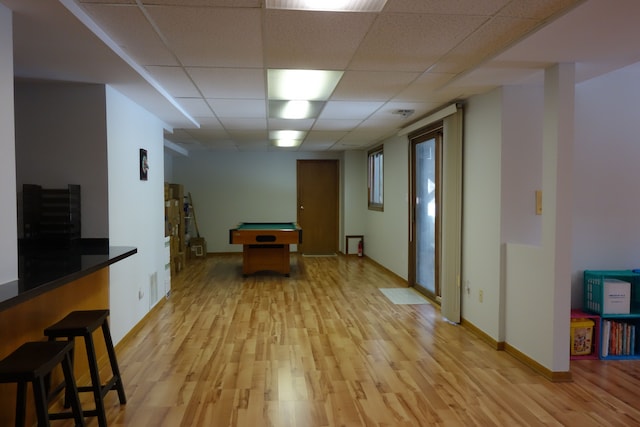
(557, 201)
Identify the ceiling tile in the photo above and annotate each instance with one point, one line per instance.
(208, 134)
(315, 146)
(366, 136)
(372, 85)
(344, 110)
(210, 122)
(422, 89)
(197, 107)
(449, 7)
(486, 42)
(412, 42)
(259, 135)
(253, 146)
(298, 39)
(335, 124)
(250, 124)
(229, 83)
(210, 3)
(389, 114)
(108, 1)
(539, 9)
(319, 136)
(175, 80)
(130, 30)
(240, 108)
(200, 36)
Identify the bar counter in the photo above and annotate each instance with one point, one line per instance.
(44, 268)
(53, 281)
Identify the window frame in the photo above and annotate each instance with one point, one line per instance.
(375, 174)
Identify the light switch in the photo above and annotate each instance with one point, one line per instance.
(538, 202)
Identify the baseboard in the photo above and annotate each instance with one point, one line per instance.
(496, 345)
(136, 328)
(366, 258)
(554, 376)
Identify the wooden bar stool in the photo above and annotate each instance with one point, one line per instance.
(84, 324)
(33, 362)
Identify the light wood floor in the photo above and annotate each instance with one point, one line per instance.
(325, 347)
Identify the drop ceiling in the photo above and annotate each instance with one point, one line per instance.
(201, 65)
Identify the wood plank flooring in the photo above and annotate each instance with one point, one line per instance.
(325, 347)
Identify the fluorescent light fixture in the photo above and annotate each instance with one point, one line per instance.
(328, 5)
(309, 85)
(287, 138)
(295, 109)
(287, 143)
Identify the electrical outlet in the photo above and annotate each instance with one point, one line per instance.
(140, 293)
(480, 295)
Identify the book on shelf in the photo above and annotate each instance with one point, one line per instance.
(618, 338)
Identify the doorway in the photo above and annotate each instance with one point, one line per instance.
(424, 249)
(317, 186)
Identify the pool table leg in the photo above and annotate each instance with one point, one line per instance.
(265, 258)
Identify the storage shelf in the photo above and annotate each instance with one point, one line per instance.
(595, 298)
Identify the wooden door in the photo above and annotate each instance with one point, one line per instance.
(317, 182)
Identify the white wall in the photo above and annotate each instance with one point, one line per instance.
(354, 171)
(481, 217)
(606, 231)
(8, 231)
(521, 163)
(387, 239)
(232, 187)
(61, 140)
(136, 210)
(168, 165)
(517, 259)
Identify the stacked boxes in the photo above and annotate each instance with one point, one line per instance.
(198, 247)
(175, 225)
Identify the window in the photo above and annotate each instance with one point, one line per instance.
(376, 179)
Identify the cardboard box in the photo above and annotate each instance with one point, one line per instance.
(198, 247)
(581, 336)
(617, 296)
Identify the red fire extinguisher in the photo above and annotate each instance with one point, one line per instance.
(360, 248)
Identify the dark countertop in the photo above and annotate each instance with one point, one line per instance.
(42, 268)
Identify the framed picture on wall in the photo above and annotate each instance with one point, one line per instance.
(144, 165)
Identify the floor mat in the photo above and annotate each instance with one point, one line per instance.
(404, 296)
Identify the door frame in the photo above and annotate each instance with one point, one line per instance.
(433, 131)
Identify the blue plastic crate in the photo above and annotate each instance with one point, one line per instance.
(594, 289)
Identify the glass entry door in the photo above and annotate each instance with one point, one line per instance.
(424, 250)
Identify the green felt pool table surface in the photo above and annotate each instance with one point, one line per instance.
(267, 226)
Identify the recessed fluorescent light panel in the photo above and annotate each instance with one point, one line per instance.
(309, 85)
(286, 138)
(295, 109)
(329, 5)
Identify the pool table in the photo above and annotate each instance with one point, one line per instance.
(265, 245)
